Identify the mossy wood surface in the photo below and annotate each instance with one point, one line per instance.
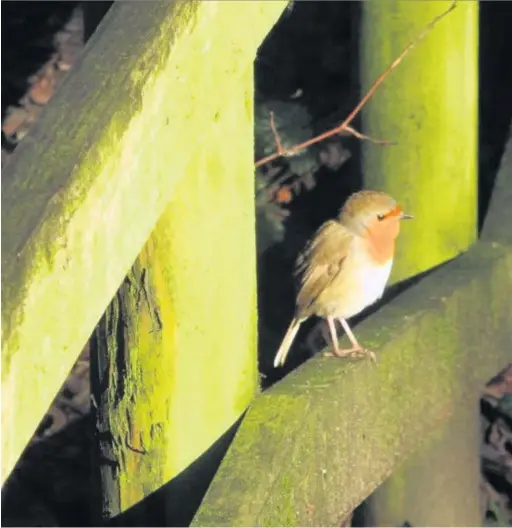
(448, 466)
(440, 484)
(85, 189)
(316, 444)
(320, 441)
(178, 343)
(429, 106)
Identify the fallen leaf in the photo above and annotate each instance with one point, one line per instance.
(284, 195)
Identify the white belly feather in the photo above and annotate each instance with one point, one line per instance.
(372, 283)
(367, 284)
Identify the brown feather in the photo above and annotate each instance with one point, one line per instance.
(319, 265)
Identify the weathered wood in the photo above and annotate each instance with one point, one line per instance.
(448, 468)
(440, 484)
(435, 170)
(178, 342)
(85, 189)
(429, 106)
(316, 444)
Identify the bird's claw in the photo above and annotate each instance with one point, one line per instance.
(355, 352)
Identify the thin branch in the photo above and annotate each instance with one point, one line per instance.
(358, 135)
(277, 139)
(369, 94)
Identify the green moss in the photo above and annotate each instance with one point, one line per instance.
(332, 431)
(440, 483)
(429, 106)
(188, 351)
(81, 196)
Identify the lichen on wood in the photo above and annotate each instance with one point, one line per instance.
(316, 444)
(429, 107)
(81, 195)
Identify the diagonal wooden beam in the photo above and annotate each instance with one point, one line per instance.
(317, 443)
(85, 189)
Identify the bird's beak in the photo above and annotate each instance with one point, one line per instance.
(405, 216)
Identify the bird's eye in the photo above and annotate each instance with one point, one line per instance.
(380, 217)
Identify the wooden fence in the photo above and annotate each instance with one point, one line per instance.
(148, 144)
(153, 125)
(318, 443)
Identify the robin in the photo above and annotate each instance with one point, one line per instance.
(345, 267)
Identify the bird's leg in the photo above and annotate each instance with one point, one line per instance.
(350, 334)
(337, 351)
(356, 349)
(334, 336)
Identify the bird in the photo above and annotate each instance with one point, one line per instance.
(345, 267)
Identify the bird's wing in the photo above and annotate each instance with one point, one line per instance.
(320, 264)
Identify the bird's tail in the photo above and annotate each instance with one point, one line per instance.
(287, 343)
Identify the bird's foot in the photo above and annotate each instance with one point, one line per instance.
(354, 352)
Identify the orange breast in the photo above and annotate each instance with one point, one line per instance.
(380, 248)
(380, 239)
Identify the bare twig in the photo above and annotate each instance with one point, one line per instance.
(369, 94)
(277, 139)
(358, 135)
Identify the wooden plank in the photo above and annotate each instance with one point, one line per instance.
(432, 170)
(178, 357)
(84, 190)
(316, 444)
(440, 485)
(448, 466)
